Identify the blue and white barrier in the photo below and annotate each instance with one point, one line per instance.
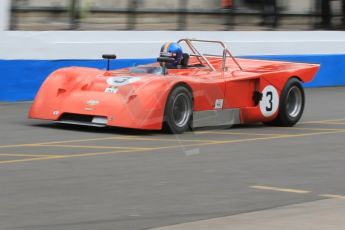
(27, 58)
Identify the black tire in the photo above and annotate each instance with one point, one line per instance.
(178, 110)
(291, 105)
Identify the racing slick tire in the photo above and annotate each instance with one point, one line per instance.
(178, 111)
(291, 104)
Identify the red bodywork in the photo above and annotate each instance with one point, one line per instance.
(141, 104)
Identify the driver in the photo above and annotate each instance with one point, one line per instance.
(174, 50)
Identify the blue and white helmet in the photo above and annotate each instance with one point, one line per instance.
(173, 50)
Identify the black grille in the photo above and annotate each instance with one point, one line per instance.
(76, 117)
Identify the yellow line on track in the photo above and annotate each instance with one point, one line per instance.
(68, 156)
(334, 123)
(25, 160)
(332, 196)
(55, 142)
(264, 138)
(321, 121)
(97, 147)
(26, 155)
(313, 129)
(136, 138)
(279, 189)
(237, 133)
(132, 138)
(97, 153)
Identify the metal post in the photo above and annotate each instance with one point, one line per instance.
(229, 18)
(131, 17)
(182, 15)
(74, 14)
(13, 16)
(315, 7)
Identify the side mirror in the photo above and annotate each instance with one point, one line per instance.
(163, 61)
(108, 57)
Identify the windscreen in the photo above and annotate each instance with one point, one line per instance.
(156, 70)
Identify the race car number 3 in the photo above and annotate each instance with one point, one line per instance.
(270, 101)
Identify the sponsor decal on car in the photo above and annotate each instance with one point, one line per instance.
(92, 102)
(121, 81)
(219, 104)
(112, 89)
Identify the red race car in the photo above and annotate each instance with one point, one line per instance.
(180, 91)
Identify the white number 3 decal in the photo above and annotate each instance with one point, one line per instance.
(270, 101)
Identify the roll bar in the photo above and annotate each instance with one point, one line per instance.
(202, 57)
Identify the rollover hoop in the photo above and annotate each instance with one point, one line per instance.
(203, 57)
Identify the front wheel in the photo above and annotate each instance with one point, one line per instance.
(178, 111)
(292, 102)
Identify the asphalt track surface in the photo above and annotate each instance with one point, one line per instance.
(67, 177)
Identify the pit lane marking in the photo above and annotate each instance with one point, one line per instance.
(174, 140)
(277, 137)
(332, 196)
(249, 140)
(99, 139)
(96, 147)
(271, 137)
(298, 191)
(178, 146)
(197, 132)
(279, 189)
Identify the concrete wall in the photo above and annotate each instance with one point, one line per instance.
(146, 44)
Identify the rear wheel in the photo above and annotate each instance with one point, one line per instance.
(178, 110)
(292, 102)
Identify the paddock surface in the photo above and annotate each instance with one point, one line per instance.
(67, 177)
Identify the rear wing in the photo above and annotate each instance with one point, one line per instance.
(202, 58)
